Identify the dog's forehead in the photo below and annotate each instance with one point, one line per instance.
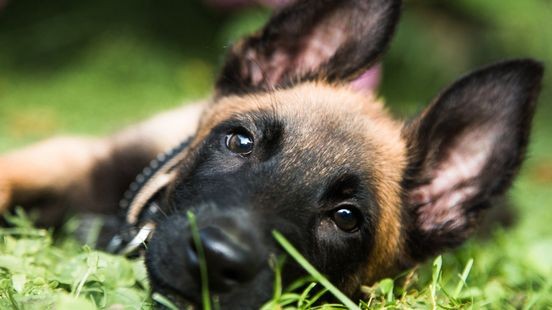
(333, 127)
(313, 112)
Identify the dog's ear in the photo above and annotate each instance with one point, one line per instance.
(331, 40)
(464, 150)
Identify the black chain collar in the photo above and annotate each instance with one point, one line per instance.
(140, 203)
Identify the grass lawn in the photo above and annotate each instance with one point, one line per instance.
(93, 68)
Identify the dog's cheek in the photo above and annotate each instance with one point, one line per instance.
(339, 254)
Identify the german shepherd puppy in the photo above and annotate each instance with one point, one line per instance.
(286, 144)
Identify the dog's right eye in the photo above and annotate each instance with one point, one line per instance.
(240, 143)
(346, 218)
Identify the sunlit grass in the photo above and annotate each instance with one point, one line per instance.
(37, 271)
(292, 251)
(40, 272)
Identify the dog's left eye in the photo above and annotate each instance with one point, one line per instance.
(240, 143)
(346, 218)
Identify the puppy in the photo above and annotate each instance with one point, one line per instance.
(286, 144)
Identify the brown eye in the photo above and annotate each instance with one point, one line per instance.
(346, 218)
(240, 143)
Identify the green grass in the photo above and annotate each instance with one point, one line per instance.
(290, 249)
(205, 297)
(77, 67)
(38, 272)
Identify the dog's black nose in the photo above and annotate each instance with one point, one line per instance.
(230, 260)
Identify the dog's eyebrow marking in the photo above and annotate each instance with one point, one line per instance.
(343, 187)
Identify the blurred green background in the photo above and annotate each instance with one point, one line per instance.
(91, 67)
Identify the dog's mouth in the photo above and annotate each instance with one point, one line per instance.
(234, 228)
(220, 257)
(168, 299)
(234, 256)
(237, 262)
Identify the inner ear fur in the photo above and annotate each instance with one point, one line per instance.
(331, 40)
(465, 150)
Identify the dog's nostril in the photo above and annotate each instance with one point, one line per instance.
(230, 260)
(231, 275)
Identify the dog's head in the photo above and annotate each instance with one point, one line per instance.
(287, 145)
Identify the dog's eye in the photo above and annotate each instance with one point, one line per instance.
(346, 218)
(240, 143)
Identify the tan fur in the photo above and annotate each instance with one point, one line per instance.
(319, 107)
(64, 165)
(49, 167)
(5, 194)
(165, 130)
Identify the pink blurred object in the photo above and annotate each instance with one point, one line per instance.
(3, 4)
(369, 81)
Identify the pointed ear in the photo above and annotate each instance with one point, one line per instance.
(332, 40)
(465, 149)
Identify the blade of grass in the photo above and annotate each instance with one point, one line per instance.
(314, 299)
(291, 250)
(305, 294)
(206, 299)
(299, 283)
(12, 300)
(329, 307)
(287, 299)
(436, 277)
(92, 261)
(276, 264)
(463, 278)
(164, 301)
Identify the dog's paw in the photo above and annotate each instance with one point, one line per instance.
(5, 195)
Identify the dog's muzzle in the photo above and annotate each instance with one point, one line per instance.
(233, 254)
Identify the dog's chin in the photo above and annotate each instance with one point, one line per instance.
(175, 299)
(249, 296)
(182, 297)
(230, 302)
(239, 275)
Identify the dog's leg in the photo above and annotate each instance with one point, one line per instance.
(88, 174)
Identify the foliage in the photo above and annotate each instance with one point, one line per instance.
(37, 272)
